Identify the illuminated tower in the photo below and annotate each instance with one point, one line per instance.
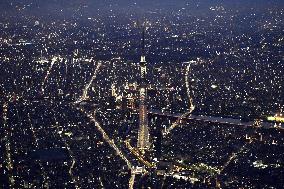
(143, 142)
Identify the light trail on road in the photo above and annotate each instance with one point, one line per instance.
(137, 154)
(101, 182)
(86, 89)
(132, 179)
(232, 157)
(107, 139)
(47, 74)
(190, 95)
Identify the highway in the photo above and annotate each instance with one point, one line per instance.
(187, 115)
(132, 179)
(47, 74)
(107, 138)
(86, 89)
(138, 155)
(190, 94)
(213, 119)
(177, 122)
(93, 119)
(232, 157)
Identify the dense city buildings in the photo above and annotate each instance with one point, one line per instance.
(141, 94)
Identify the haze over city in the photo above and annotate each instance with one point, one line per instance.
(141, 94)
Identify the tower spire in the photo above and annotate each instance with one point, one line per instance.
(143, 59)
(143, 39)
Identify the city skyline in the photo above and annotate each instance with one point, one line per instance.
(141, 94)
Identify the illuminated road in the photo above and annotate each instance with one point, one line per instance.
(178, 121)
(138, 155)
(86, 89)
(190, 95)
(135, 172)
(232, 157)
(107, 139)
(212, 119)
(9, 163)
(47, 74)
(132, 179)
(101, 183)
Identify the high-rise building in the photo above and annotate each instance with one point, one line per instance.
(143, 142)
